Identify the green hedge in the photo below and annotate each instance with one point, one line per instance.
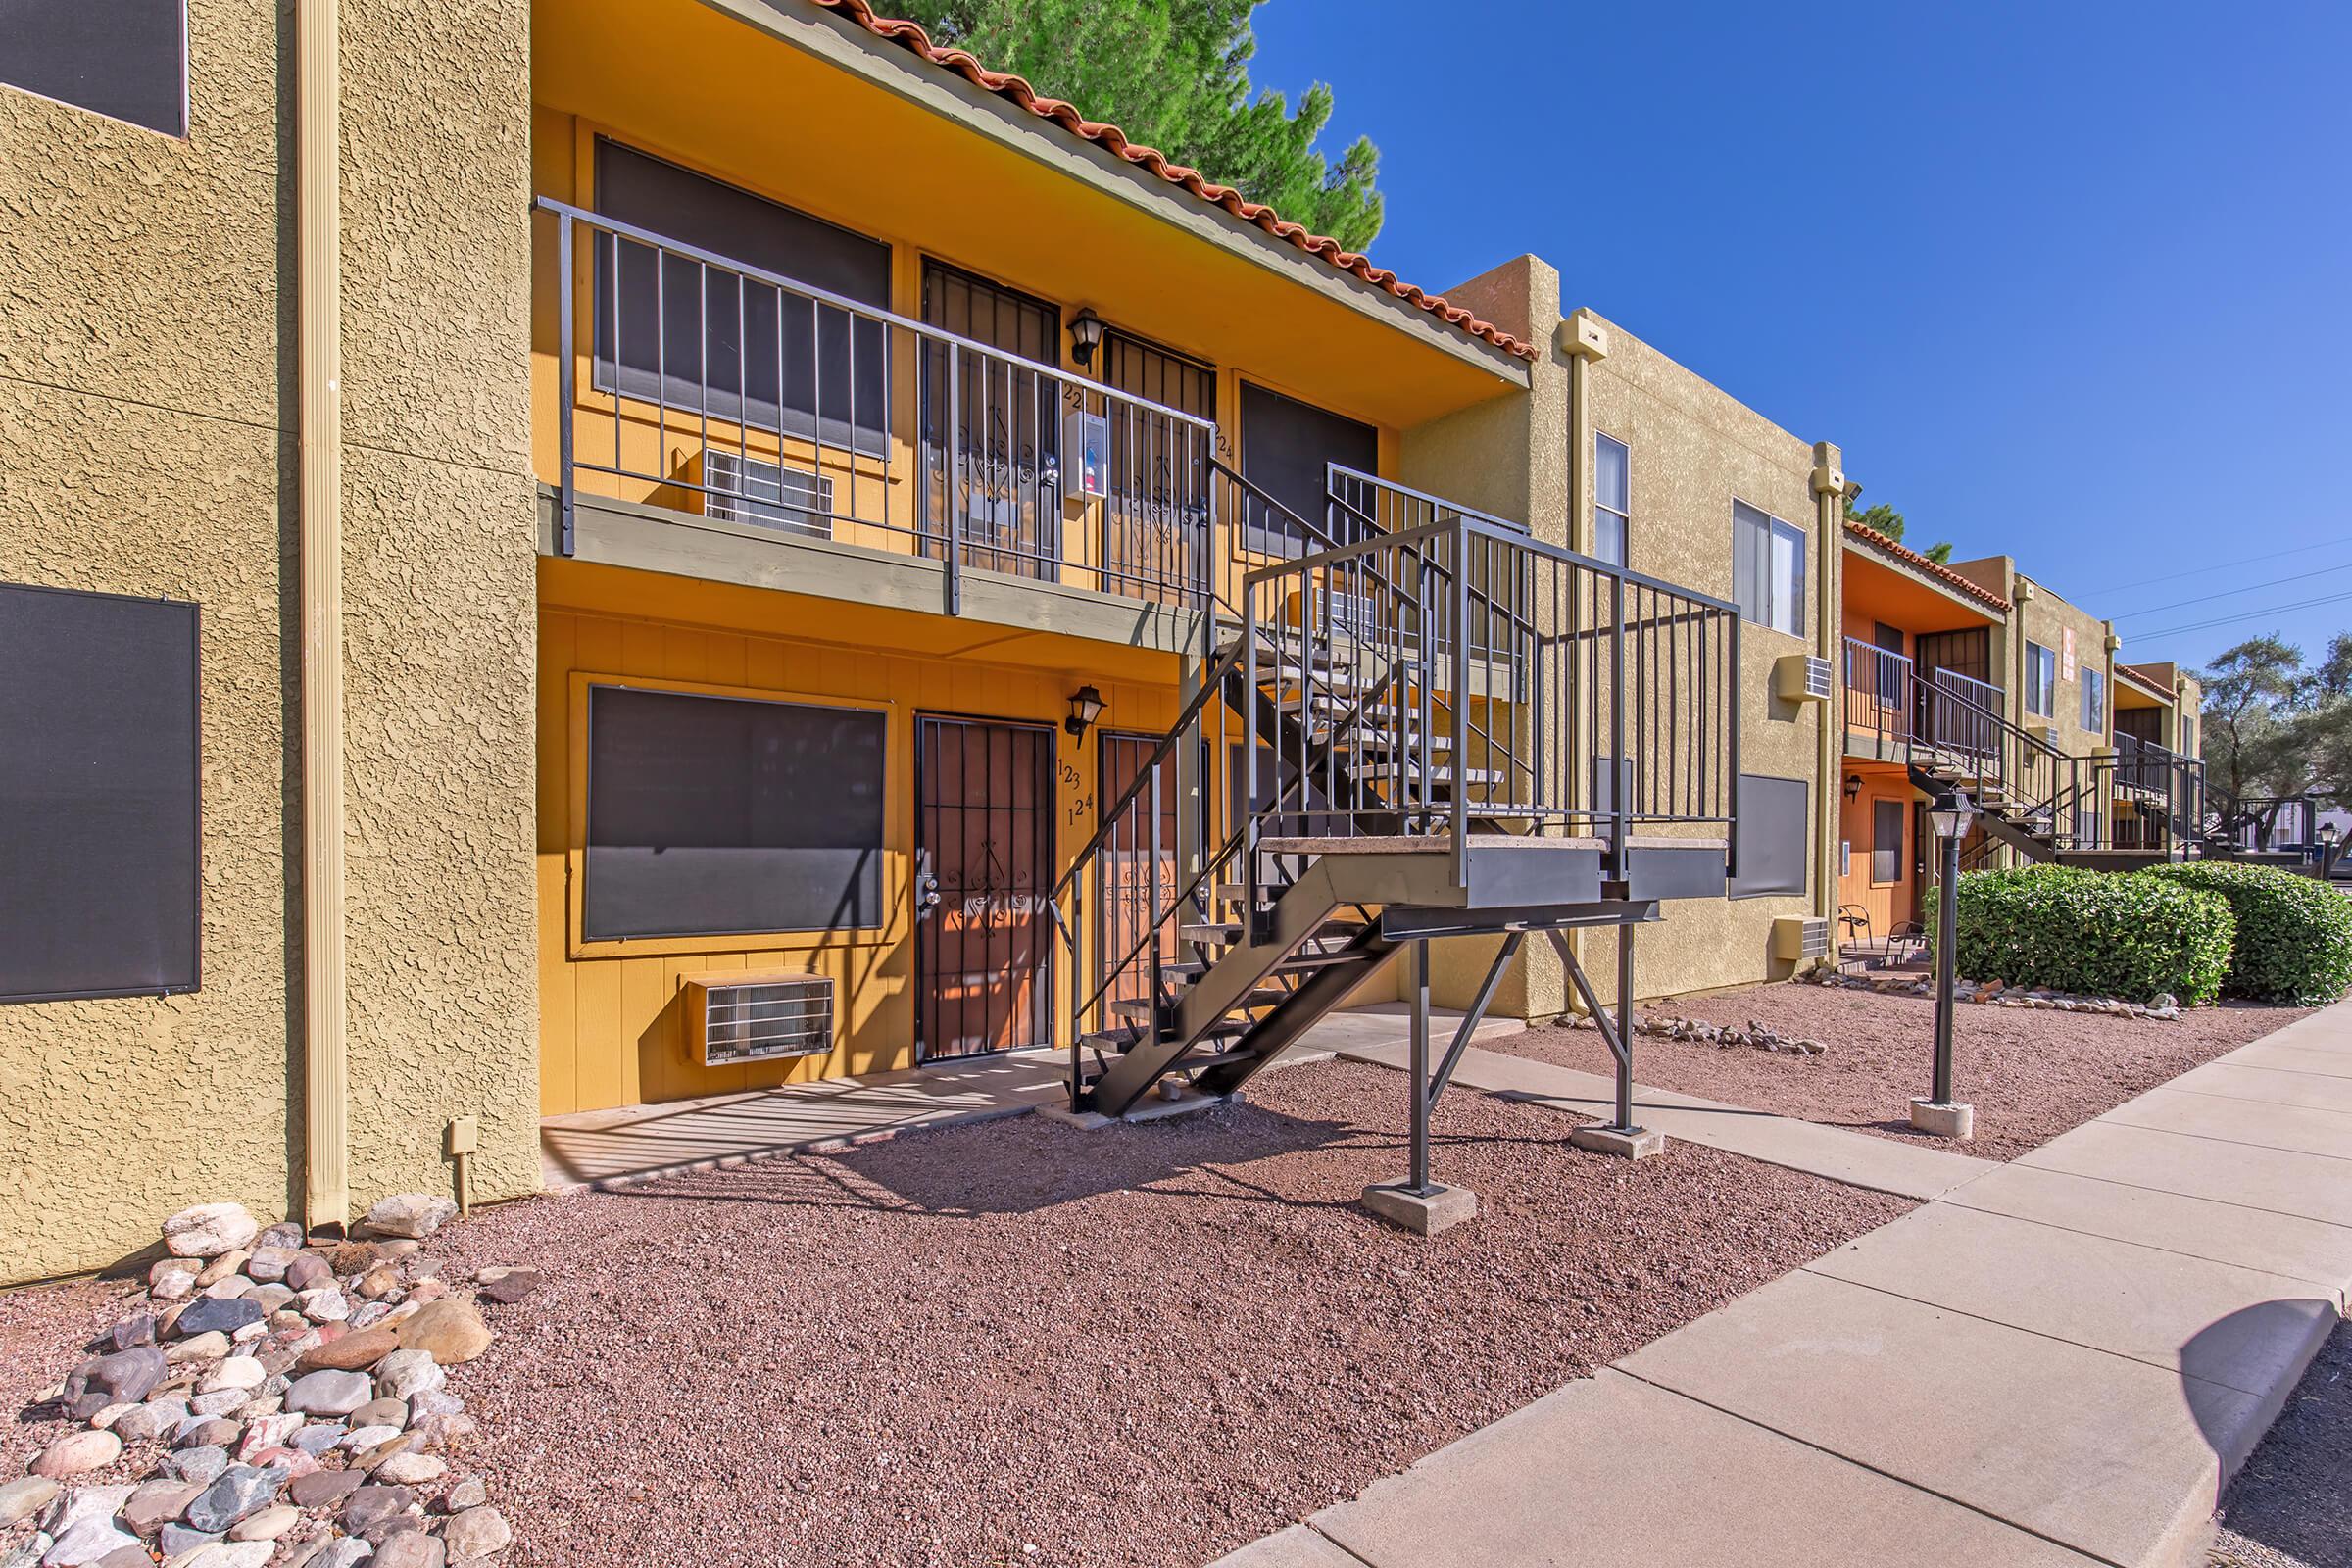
(2095, 932)
(2294, 933)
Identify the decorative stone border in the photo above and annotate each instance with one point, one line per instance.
(265, 1400)
(2165, 1009)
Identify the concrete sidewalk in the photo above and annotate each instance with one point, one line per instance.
(1881, 1165)
(631, 1144)
(2058, 1360)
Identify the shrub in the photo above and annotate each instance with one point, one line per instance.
(2131, 936)
(2294, 933)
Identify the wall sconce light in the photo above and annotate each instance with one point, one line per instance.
(1853, 786)
(1086, 333)
(1086, 706)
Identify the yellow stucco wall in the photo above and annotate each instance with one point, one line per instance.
(610, 1022)
(146, 407)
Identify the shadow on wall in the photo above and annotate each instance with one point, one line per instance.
(2292, 1496)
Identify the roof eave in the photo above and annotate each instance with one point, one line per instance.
(832, 30)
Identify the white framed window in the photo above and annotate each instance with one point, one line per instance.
(1612, 498)
(2094, 702)
(1768, 570)
(2041, 681)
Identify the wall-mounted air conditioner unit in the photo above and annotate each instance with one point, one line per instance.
(752, 1016)
(760, 494)
(1797, 938)
(1802, 679)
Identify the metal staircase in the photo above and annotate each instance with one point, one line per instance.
(2111, 812)
(1405, 731)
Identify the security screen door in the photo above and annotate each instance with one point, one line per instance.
(984, 869)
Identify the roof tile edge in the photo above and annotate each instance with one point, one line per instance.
(1921, 563)
(911, 37)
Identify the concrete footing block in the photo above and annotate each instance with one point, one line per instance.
(1086, 1121)
(1438, 1209)
(1153, 1107)
(1956, 1119)
(1637, 1143)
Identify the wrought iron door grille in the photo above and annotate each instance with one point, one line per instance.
(984, 846)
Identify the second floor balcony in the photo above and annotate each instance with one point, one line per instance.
(1893, 708)
(743, 412)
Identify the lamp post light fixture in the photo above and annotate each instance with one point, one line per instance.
(2330, 849)
(1086, 706)
(1938, 1114)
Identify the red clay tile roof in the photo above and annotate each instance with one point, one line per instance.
(2146, 684)
(1921, 564)
(1110, 137)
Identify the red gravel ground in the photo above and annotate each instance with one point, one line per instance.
(2032, 1073)
(1018, 1343)
(45, 1331)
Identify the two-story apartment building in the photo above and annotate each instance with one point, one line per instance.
(1920, 675)
(1978, 676)
(639, 551)
(565, 444)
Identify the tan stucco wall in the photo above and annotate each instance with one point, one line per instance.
(1695, 450)
(439, 583)
(147, 414)
(145, 454)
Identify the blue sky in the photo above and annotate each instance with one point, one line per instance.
(2067, 280)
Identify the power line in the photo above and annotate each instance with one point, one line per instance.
(2218, 565)
(2225, 593)
(2250, 614)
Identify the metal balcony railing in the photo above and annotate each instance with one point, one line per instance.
(1960, 714)
(749, 400)
(1878, 694)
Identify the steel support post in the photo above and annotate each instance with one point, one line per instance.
(1417, 1179)
(1625, 1029)
(1947, 963)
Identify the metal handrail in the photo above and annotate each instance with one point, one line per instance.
(1885, 696)
(840, 302)
(992, 480)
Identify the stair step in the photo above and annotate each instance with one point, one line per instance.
(1229, 932)
(1303, 959)
(1264, 996)
(1214, 1059)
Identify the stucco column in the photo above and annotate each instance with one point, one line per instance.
(1829, 500)
(1582, 340)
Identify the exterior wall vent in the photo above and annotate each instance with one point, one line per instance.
(760, 494)
(1797, 938)
(1802, 678)
(755, 1016)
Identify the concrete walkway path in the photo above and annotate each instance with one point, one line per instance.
(1881, 1165)
(2054, 1361)
(631, 1144)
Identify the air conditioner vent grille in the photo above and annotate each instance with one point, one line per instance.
(760, 494)
(770, 1016)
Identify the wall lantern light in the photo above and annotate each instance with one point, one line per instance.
(1853, 786)
(1086, 335)
(1086, 706)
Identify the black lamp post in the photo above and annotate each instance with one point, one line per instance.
(2330, 849)
(1938, 1113)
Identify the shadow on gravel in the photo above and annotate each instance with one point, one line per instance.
(1027, 1163)
(2291, 1505)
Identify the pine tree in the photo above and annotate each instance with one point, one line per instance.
(1175, 75)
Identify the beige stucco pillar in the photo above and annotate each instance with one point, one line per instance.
(1830, 490)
